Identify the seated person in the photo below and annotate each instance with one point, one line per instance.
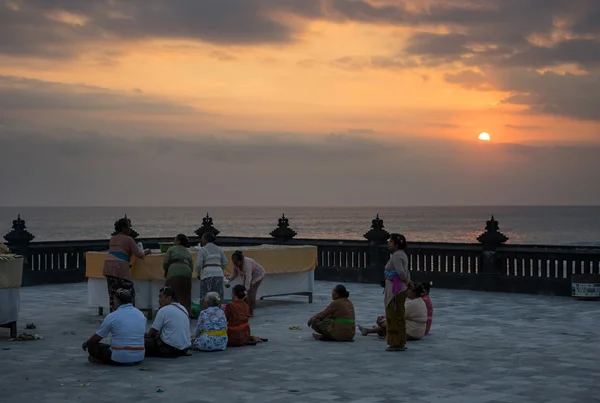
(169, 335)
(429, 305)
(418, 314)
(336, 322)
(211, 330)
(127, 325)
(237, 313)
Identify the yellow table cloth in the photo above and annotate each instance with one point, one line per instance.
(11, 272)
(275, 259)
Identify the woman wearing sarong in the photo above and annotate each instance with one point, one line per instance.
(395, 294)
(211, 330)
(117, 264)
(251, 274)
(336, 322)
(237, 313)
(179, 265)
(209, 266)
(418, 315)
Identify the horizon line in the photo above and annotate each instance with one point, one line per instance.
(308, 206)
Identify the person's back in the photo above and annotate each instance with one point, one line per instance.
(238, 328)
(343, 325)
(416, 318)
(179, 261)
(127, 325)
(172, 321)
(211, 260)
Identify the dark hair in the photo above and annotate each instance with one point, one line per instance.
(121, 224)
(341, 291)
(422, 288)
(169, 292)
(209, 237)
(237, 256)
(239, 291)
(399, 240)
(183, 240)
(124, 296)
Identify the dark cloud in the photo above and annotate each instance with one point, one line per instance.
(62, 167)
(27, 95)
(570, 95)
(469, 79)
(50, 163)
(503, 40)
(63, 28)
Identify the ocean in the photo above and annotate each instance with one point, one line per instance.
(523, 225)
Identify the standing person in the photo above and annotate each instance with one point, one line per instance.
(179, 265)
(395, 294)
(251, 273)
(209, 266)
(126, 325)
(336, 322)
(117, 263)
(169, 335)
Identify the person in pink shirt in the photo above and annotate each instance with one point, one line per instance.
(116, 266)
(251, 274)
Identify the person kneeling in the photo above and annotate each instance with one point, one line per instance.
(169, 335)
(237, 313)
(127, 325)
(211, 330)
(336, 322)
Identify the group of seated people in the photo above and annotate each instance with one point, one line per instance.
(337, 321)
(169, 336)
(217, 328)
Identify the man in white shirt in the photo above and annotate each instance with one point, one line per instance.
(170, 334)
(127, 325)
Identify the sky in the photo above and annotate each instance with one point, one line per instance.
(299, 102)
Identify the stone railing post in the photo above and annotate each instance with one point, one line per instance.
(18, 240)
(490, 268)
(283, 233)
(134, 234)
(207, 226)
(376, 236)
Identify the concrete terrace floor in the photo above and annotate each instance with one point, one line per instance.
(483, 347)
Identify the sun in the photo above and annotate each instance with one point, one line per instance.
(484, 137)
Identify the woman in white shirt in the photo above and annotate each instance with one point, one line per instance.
(209, 266)
(417, 315)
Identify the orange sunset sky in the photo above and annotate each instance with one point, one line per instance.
(299, 102)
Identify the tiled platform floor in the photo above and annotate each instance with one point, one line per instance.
(483, 347)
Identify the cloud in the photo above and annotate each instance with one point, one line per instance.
(25, 95)
(509, 46)
(65, 28)
(222, 56)
(569, 95)
(368, 62)
(469, 79)
(62, 166)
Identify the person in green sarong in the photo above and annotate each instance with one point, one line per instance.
(336, 322)
(178, 265)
